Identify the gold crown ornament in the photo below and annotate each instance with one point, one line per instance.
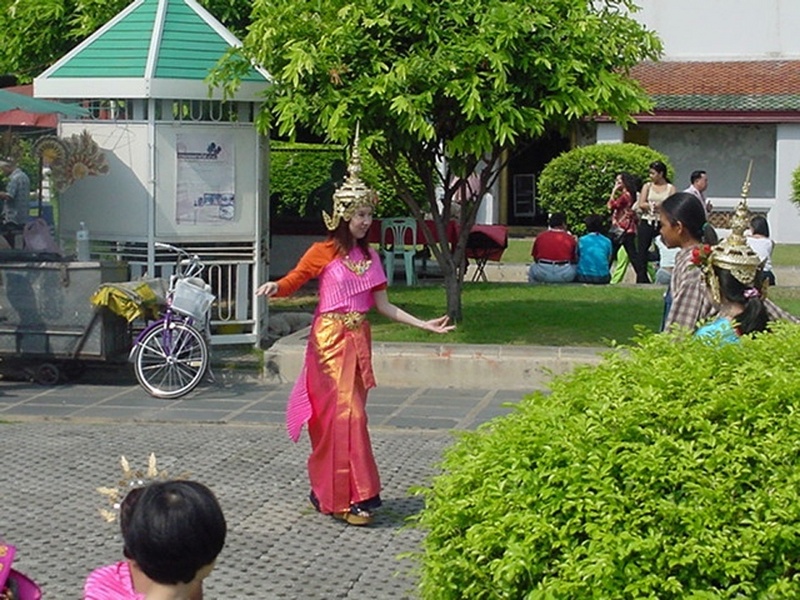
(733, 253)
(353, 193)
(131, 478)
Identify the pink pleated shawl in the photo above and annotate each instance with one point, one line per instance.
(340, 290)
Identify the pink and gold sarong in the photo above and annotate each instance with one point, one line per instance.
(331, 392)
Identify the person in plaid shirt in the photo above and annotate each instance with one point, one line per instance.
(684, 226)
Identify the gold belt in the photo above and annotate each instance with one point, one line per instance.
(352, 320)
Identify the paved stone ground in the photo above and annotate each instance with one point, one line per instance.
(61, 443)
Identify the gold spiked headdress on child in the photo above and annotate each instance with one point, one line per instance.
(733, 254)
(352, 195)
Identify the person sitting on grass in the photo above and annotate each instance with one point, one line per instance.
(554, 253)
(594, 253)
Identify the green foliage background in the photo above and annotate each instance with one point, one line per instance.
(578, 182)
(296, 170)
(796, 186)
(668, 471)
(21, 150)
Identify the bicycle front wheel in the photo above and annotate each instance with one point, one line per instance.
(171, 359)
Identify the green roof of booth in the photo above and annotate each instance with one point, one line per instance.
(152, 49)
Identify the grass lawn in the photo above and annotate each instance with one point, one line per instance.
(519, 251)
(518, 313)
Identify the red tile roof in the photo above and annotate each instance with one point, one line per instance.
(765, 91)
(765, 77)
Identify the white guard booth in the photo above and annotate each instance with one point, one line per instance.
(184, 166)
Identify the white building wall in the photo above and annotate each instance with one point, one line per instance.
(114, 206)
(609, 133)
(724, 29)
(713, 30)
(784, 218)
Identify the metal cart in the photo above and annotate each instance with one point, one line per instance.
(48, 327)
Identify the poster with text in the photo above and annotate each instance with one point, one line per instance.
(205, 179)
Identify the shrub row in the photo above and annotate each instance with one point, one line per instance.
(579, 182)
(668, 471)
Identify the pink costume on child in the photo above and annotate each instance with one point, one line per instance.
(331, 392)
(112, 582)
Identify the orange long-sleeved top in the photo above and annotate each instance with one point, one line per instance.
(308, 267)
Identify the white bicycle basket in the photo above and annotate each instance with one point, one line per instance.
(192, 297)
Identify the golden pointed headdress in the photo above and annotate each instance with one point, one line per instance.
(733, 253)
(352, 195)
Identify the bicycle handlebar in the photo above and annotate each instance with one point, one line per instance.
(191, 260)
(165, 246)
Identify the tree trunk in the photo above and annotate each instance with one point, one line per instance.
(453, 264)
(453, 286)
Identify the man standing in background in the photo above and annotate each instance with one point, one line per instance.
(17, 194)
(699, 184)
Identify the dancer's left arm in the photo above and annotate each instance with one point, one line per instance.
(395, 313)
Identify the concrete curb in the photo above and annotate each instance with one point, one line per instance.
(460, 366)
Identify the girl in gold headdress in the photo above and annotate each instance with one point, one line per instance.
(735, 280)
(691, 300)
(331, 392)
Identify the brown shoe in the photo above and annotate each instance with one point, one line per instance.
(354, 516)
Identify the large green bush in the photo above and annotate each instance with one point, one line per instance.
(668, 471)
(796, 186)
(579, 182)
(302, 173)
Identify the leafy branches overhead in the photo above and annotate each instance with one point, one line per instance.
(475, 74)
(445, 86)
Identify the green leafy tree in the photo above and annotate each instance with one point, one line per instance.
(447, 86)
(796, 186)
(36, 33)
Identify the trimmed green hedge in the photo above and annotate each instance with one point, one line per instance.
(796, 186)
(669, 471)
(578, 182)
(301, 178)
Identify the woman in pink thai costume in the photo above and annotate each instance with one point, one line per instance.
(331, 392)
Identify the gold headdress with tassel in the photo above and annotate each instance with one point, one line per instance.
(352, 195)
(131, 478)
(733, 253)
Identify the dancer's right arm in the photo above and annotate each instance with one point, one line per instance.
(309, 266)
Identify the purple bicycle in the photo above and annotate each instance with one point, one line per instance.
(171, 355)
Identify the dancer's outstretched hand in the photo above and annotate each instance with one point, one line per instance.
(439, 325)
(269, 289)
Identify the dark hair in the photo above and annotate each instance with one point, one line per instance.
(659, 167)
(695, 176)
(125, 510)
(594, 223)
(686, 208)
(175, 529)
(631, 183)
(759, 226)
(557, 219)
(344, 240)
(754, 317)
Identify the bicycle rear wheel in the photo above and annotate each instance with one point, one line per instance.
(171, 359)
